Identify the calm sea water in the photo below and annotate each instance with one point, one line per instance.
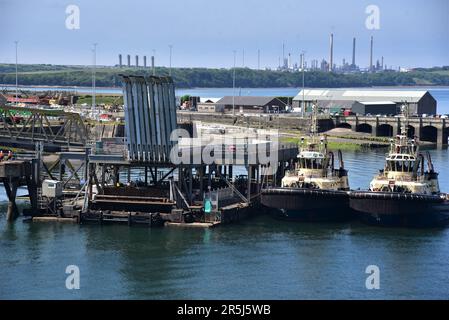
(260, 258)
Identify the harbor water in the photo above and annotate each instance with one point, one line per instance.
(260, 258)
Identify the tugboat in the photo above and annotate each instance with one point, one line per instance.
(314, 191)
(404, 193)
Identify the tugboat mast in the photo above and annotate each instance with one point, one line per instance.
(314, 126)
(314, 143)
(405, 114)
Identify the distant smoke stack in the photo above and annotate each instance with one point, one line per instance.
(283, 51)
(152, 65)
(120, 60)
(353, 52)
(371, 56)
(331, 62)
(129, 60)
(144, 61)
(137, 60)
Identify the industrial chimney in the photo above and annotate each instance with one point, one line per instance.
(144, 61)
(331, 60)
(152, 65)
(353, 52)
(120, 60)
(129, 60)
(137, 60)
(371, 56)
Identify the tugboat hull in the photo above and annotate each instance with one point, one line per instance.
(394, 209)
(307, 205)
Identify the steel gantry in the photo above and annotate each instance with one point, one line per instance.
(23, 127)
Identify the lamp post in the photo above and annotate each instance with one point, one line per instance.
(233, 87)
(303, 109)
(94, 105)
(17, 77)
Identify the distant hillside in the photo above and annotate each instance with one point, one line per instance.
(56, 75)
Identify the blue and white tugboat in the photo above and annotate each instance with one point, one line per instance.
(406, 192)
(314, 191)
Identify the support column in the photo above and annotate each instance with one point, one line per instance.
(248, 192)
(275, 179)
(115, 176)
(32, 191)
(146, 176)
(376, 127)
(201, 175)
(209, 177)
(258, 178)
(440, 137)
(418, 130)
(395, 131)
(190, 184)
(86, 168)
(61, 168)
(91, 181)
(103, 176)
(11, 186)
(354, 126)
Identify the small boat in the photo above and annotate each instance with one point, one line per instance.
(406, 192)
(314, 190)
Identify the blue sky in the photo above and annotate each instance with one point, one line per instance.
(204, 33)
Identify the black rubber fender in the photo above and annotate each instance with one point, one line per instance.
(395, 196)
(304, 191)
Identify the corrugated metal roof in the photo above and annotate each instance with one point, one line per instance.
(247, 101)
(213, 100)
(376, 102)
(360, 95)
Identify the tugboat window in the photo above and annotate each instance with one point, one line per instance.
(401, 166)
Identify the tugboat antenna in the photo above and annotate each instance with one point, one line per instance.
(405, 114)
(314, 126)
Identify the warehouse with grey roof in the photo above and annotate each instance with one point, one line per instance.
(251, 104)
(364, 101)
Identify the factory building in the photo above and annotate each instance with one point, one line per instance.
(209, 105)
(247, 104)
(374, 108)
(420, 101)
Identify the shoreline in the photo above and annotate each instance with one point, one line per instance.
(242, 88)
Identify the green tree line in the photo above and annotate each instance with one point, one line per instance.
(201, 77)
